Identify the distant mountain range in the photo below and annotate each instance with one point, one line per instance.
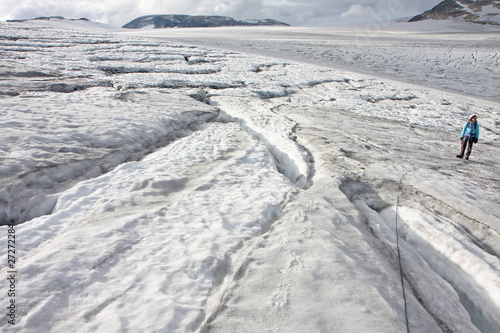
(479, 11)
(188, 21)
(49, 18)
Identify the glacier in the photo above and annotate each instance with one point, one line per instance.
(222, 180)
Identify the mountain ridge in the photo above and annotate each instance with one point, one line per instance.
(480, 11)
(194, 21)
(50, 18)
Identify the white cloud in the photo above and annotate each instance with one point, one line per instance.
(375, 12)
(355, 10)
(295, 12)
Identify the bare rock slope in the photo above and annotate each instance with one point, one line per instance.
(481, 11)
(188, 21)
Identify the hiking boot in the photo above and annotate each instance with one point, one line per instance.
(460, 156)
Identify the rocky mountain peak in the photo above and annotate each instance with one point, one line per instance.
(189, 21)
(478, 11)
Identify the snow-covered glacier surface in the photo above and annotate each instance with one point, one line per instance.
(159, 186)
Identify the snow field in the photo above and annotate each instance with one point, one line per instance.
(357, 160)
(160, 230)
(436, 295)
(274, 130)
(306, 275)
(450, 54)
(66, 137)
(206, 190)
(453, 255)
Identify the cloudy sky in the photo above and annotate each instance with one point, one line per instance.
(295, 12)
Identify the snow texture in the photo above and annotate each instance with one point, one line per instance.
(159, 186)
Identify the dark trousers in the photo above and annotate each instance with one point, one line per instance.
(466, 143)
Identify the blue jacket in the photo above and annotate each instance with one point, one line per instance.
(471, 129)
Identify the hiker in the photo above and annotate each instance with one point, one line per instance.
(470, 135)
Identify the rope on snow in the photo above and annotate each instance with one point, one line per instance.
(400, 183)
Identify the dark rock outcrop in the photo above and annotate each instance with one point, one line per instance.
(49, 18)
(480, 11)
(188, 21)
